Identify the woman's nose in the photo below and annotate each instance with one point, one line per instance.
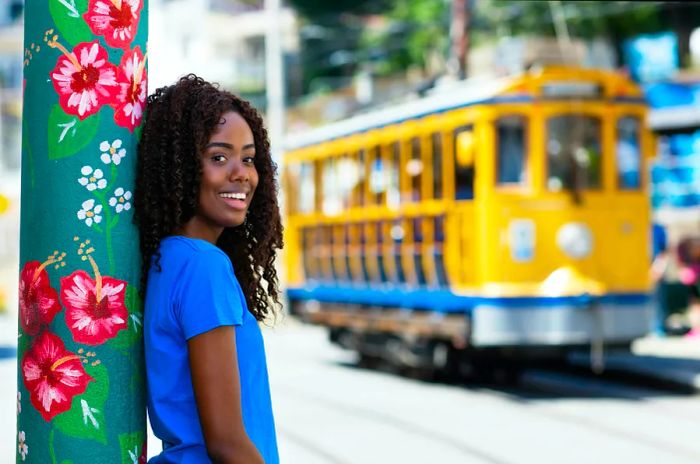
(238, 172)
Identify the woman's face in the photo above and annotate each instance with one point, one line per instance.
(229, 179)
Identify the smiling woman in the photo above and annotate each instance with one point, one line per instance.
(228, 182)
(209, 224)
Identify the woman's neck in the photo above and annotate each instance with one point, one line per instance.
(194, 228)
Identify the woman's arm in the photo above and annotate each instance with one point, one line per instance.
(217, 390)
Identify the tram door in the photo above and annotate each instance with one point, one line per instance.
(512, 230)
(460, 224)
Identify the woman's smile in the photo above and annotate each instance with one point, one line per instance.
(236, 200)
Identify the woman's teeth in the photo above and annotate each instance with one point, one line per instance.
(236, 196)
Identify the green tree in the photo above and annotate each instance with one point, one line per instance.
(584, 19)
(391, 36)
(413, 32)
(617, 21)
(330, 37)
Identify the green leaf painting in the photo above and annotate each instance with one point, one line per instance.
(86, 418)
(67, 15)
(133, 331)
(133, 300)
(68, 134)
(131, 444)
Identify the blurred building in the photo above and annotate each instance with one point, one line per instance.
(511, 55)
(673, 93)
(221, 40)
(11, 37)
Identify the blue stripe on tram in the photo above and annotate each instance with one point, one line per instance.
(446, 301)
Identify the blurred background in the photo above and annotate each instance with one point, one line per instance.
(309, 63)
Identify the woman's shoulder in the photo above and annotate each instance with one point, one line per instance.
(186, 250)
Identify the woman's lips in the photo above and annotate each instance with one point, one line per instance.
(235, 203)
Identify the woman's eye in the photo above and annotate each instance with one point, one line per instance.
(249, 160)
(218, 158)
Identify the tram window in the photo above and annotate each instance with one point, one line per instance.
(417, 231)
(363, 251)
(464, 174)
(306, 243)
(397, 236)
(437, 165)
(573, 153)
(393, 192)
(340, 250)
(322, 248)
(347, 174)
(329, 242)
(347, 251)
(440, 251)
(307, 188)
(379, 233)
(298, 183)
(377, 185)
(510, 150)
(359, 190)
(414, 169)
(628, 153)
(313, 248)
(418, 250)
(332, 194)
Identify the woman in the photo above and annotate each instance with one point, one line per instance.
(209, 225)
(689, 275)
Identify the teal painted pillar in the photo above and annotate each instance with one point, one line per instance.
(81, 394)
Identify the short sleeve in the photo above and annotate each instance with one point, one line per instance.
(208, 294)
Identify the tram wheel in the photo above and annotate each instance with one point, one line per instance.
(368, 361)
(498, 372)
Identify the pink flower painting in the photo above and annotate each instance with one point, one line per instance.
(95, 309)
(132, 81)
(52, 375)
(84, 79)
(116, 20)
(38, 301)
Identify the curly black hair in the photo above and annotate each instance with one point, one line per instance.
(178, 123)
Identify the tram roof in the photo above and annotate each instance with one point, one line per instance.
(464, 93)
(467, 93)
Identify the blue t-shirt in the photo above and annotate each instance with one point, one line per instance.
(195, 292)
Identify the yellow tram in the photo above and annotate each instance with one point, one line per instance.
(507, 213)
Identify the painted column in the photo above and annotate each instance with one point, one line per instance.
(81, 395)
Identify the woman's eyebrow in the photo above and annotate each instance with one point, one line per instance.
(229, 146)
(219, 144)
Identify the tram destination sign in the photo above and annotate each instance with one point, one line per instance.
(572, 89)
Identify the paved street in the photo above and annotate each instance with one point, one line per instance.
(329, 411)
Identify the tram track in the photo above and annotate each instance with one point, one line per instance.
(566, 381)
(310, 447)
(405, 426)
(632, 437)
(575, 381)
